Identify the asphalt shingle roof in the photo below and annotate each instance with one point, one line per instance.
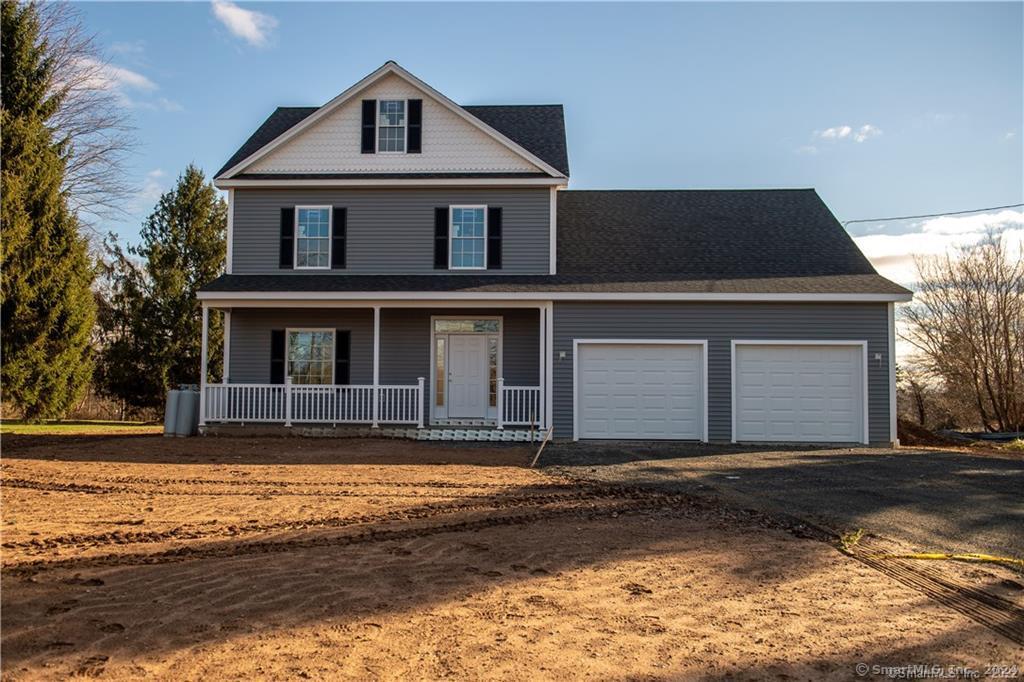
(704, 234)
(537, 128)
(542, 284)
(638, 241)
(540, 129)
(283, 119)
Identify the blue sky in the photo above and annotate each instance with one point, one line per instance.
(886, 109)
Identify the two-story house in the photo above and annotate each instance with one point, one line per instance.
(398, 261)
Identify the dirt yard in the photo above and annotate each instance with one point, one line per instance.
(241, 558)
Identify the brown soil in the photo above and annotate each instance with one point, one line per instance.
(234, 558)
(915, 434)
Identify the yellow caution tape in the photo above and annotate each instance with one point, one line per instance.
(938, 556)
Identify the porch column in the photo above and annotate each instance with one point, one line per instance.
(376, 365)
(202, 366)
(227, 348)
(542, 367)
(549, 343)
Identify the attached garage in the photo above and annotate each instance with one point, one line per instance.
(640, 390)
(796, 391)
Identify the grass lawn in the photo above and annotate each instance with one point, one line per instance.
(78, 428)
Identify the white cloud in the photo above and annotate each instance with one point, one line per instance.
(846, 132)
(133, 50)
(168, 105)
(866, 131)
(132, 89)
(105, 76)
(808, 149)
(1009, 136)
(251, 26)
(836, 133)
(893, 255)
(152, 187)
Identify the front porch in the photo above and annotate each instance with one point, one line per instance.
(414, 371)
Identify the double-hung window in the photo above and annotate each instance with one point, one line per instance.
(468, 237)
(391, 125)
(311, 356)
(313, 237)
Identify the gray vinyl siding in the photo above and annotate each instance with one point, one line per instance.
(391, 231)
(719, 324)
(250, 339)
(404, 341)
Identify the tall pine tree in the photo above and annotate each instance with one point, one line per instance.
(154, 338)
(46, 305)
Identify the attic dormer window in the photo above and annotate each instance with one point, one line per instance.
(391, 125)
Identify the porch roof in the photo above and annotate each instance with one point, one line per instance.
(552, 286)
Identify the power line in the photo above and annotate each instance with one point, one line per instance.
(931, 215)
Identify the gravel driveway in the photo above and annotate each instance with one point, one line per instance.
(940, 501)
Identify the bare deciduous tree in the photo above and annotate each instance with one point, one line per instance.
(91, 121)
(913, 393)
(967, 321)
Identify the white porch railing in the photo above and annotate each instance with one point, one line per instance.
(320, 404)
(518, 405)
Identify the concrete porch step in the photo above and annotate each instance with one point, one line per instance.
(463, 423)
(450, 434)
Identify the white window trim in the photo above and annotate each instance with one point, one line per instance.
(330, 238)
(288, 347)
(451, 235)
(862, 344)
(576, 343)
(435, 410)
(405, 126)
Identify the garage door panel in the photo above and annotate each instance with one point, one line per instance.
(799, 393)
(640, 391)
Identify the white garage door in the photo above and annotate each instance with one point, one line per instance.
(640, 391)
(799, 393)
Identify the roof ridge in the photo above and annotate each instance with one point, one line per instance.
(700, 189)
(478, 106)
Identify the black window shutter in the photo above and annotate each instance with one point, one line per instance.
(287, 238)
(441, 238)
(342, 355)
(340, 227)
(369, 126)
(277, 356)
(415, 126)
(494, 237)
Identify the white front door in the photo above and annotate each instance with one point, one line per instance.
(467, 376)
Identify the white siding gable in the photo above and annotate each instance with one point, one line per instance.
(450, 144)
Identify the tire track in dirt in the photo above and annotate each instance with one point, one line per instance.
(286, 484)
(256, 490)
(983, 607)
(201, 531)
(28, 568)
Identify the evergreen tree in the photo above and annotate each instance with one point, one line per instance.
(46, 305)
(155, 320)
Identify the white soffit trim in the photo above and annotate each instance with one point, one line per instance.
(392, 182)
(442, 297)
(390, 68)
